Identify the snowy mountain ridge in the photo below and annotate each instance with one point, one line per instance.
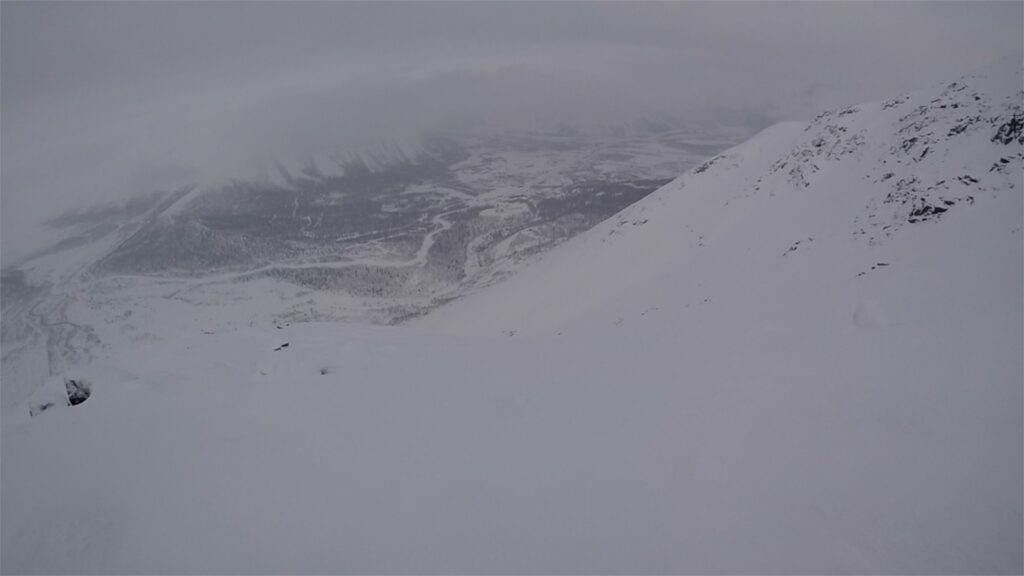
(802, 356)
(859, 176)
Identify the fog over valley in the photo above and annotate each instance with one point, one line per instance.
(511, 287)
(105, 101)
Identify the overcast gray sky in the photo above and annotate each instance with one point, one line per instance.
(101, 100)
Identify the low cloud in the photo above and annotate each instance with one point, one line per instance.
(104, 100)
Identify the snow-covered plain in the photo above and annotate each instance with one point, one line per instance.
(804, 356)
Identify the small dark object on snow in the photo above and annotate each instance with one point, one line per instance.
(78, 391)
(40, 409)
(280, 346)
(325, 371)
(924, 212)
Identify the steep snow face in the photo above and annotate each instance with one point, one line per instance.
(825, 201)
(801, 357)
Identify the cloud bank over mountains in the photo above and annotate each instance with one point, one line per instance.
(102, 101)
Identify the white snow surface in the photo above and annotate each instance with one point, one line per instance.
(764, 367)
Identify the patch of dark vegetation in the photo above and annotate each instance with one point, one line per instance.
(1000, 166)
(1012, 129)
(962, 125)
(796, 245)
(358, 280)
(312, 217)
(894, 102)
(904, 191)
(925, 212)
(387, 229)
(78, 390)
(446, 260)
(705, 166)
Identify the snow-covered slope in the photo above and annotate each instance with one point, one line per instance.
(801, 357)
(807, 205)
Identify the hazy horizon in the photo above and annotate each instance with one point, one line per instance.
(101, 101)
